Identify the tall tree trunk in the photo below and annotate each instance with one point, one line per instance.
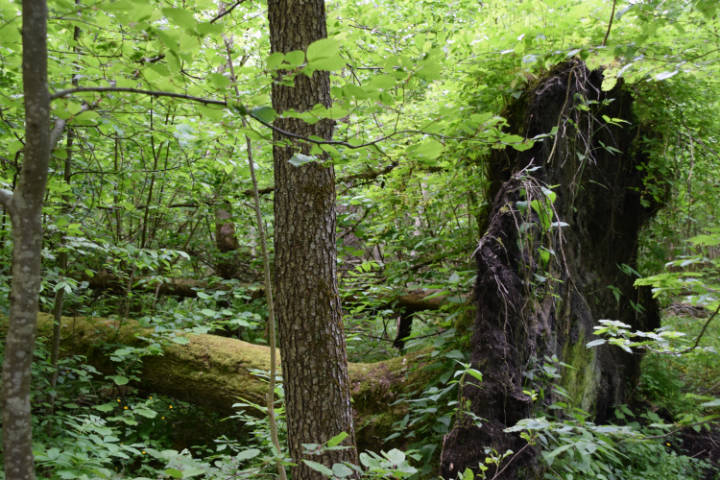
(314, 358)
(25, 207)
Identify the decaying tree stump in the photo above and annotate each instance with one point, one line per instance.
(557, 256)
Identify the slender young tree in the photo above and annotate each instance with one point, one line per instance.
(25, 208)
(307, 304)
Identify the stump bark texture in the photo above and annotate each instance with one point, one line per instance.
(557, 256)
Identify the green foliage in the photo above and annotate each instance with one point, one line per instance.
(578, 448)
(147, 175)
(393, 464)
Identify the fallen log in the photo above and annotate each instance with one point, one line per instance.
(405, 304)
(216, 372)
(179, 287)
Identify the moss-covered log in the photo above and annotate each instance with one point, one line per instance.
(216, 372)
(557, 257)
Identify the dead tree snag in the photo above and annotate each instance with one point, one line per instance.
(561, 238)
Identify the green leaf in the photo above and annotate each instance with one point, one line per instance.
(119, 379)
(366, 459)
(337, 439)
(248, 454)
(383, 81)
(476, 374)
(318, 467)
(145, 412)
(544, 255)
(395, 456)
(181, 17)
(429, 149)
(341, 470)
(218, 80)
(274, 60)
(595, 343)
(211, 112)
(105, 407)
(431, 67)
(207, 28)
(180, 340)
(511, 138)
(323, 48)
(174, 473)
(330, 64)
(170, 40)
(294, 59)
(711, 403)
(264, 113)
(549, 457)
(522, 146)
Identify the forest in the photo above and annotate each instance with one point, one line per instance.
(407, 239)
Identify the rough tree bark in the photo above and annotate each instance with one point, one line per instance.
(307, 303)
(25, 208)
(540, 287)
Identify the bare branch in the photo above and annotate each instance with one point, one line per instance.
(152, 93)
(242, 111)
(222, 14)
(612, 15)
(702, 332)
(340, 143)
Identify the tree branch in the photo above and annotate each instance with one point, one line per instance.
(610, 22)
(340, 143)
(241, 110)
(702, 332)
(222, 14)
(152, 93)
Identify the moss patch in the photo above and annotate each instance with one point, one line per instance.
(582, 377)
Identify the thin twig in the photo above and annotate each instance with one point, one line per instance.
(152, 93)
(223, 13)
(268, 285)
(497, 475)
(612, 15)
(702, 332)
